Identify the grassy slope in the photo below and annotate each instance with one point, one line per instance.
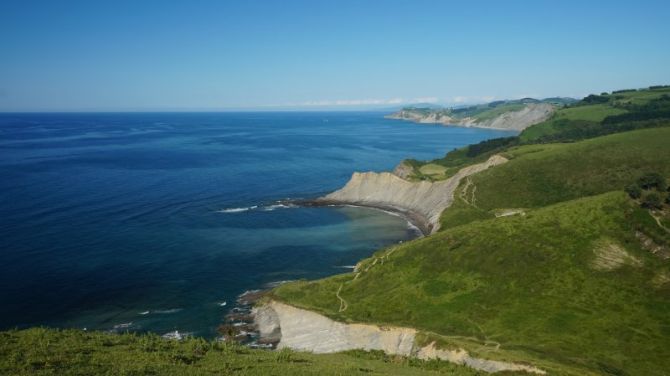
(591, 113)
(524, 282)
(539, 175)
(578, 121)
(580, 115)
(72, 352)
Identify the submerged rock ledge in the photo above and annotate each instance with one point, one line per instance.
(422, 202)
(305, 330)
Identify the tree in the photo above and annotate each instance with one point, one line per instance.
(634, 191)
(652, 201)
(652, 180)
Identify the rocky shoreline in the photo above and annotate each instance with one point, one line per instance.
(420, 202)
(414, 218)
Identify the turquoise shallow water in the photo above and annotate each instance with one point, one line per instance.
(149, 221)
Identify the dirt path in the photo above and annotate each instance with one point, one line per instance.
(658, 222)
(343, 303)
(463, 194)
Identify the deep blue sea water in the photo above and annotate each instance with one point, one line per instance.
(106, 216)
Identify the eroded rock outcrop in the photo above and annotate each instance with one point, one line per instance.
(422, 201)
(305, 330)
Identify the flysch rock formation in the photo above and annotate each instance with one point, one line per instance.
(304, 330)
(533, 113)
(422, 201)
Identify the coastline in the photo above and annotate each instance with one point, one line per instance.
(457, 125)
(413, 218)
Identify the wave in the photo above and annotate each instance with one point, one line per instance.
(167, 311)
(176, 335)
(278, 205)
(124, 325)
(237, 210)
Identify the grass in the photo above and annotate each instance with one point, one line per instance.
(40, 351)
(567, 117)
(432, 169)
(578, 121)
(525, 282)
(539, 175)
(543, 174)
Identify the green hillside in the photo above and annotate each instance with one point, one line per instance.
(73, 352)
(540, 288)
(544, 259)
(542, 174)
(593, 116)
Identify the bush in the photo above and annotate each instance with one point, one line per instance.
(652, 201)
(593, 99)
(490, 145)
(652, 180)
(634, 191)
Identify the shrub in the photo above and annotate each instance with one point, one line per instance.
(634, 191)
(652, 180)
(652, 201)
(490, 145)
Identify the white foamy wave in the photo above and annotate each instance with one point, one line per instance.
(237, 210)
(124, 325)
(144, 313)
(167, 311)
(277, 206)
(271, 285)
(176, 335)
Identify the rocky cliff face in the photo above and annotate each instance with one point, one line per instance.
(304, 330)
(422, 201)
(533, 113)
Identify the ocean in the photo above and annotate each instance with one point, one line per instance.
(152, 221)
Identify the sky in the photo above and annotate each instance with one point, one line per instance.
(299, 55)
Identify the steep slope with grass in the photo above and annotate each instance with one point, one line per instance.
(521, 288)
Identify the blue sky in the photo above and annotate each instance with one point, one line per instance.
(217, 55)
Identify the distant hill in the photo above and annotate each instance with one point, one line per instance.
(505, 114)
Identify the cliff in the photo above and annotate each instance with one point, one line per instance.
(422, 201)
(530, 114)
(304, 330)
